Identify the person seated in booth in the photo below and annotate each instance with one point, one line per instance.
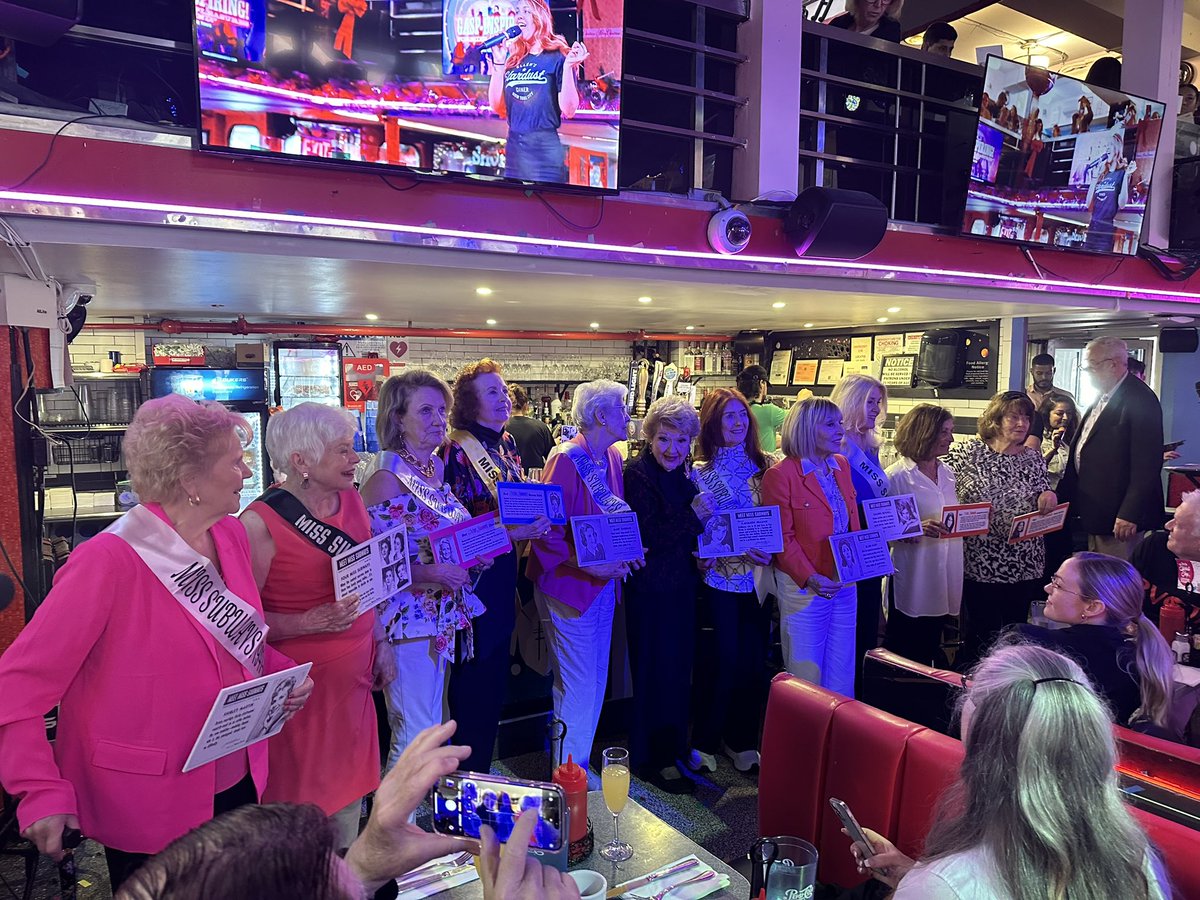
(1036, 803)
(939, 39)
(285, 851)
(871, 18)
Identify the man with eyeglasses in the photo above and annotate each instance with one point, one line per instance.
(1113, 478)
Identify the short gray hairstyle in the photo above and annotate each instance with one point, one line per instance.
(673, 411)
(1108, 347)
(593, 396)
(307, 429)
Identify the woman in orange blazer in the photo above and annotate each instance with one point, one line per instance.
(816, 500)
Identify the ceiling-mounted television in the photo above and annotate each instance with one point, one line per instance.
(1059, 162)
(525, 90)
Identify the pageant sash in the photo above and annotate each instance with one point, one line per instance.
(593, 477)
(320, 534)
(868, 469)
(444, 505)
(481, 461)
(717, 485)
(193, 580)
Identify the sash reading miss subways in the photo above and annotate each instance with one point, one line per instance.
(198, 588)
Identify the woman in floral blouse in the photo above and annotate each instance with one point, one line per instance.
(731, 690)
(1000, 579)
(479, 454)
(429, 622)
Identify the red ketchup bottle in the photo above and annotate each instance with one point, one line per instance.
(1171, 619)
(573, 780)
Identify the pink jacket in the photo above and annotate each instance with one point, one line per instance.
(549, 567)
(134, 677)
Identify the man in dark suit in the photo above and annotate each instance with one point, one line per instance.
(1113, 479)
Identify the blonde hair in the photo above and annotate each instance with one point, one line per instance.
(891, 11)
(672, 411)
(307, 429)
(799, 431)
(850, 394)
(394, 397)
(173, 438)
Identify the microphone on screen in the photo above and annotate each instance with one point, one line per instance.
(497, 39)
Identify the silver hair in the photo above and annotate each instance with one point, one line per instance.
(307, 429)
(1109, 347)
(1037, 790)
(593, 396)
(673, 411)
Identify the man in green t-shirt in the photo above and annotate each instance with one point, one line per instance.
(752, 382)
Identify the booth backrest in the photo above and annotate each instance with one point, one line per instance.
(817, 745)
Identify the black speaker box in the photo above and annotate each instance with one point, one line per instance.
(942, 360)
(40, 22)
(1178, 340)
(829, 223)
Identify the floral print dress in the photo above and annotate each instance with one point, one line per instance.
(424, 610)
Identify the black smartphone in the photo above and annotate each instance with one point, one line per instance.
(851, 825)
(463, 801)
(1174, 445)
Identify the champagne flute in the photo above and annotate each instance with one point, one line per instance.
(614, 779)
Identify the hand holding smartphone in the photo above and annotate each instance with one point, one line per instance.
(857, 835)
(464, 801)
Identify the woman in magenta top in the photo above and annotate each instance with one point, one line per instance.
(330, 755)
(132, 670)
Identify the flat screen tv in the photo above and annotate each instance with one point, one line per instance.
(1059, 162)
(484, 88)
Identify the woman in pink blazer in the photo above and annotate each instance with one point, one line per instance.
(133, 672)
(816, 500)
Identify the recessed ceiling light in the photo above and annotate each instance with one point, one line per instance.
(808, 324)
(593, 325)
(691, 328)
(491, 321)
(893, 309)
(645, 299)
(372, 317)
(881, 319)
(778, 304)
(483, 291)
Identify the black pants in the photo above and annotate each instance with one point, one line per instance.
(121, 864)
(918, 638)
(477, 686)
(987, 609)
(730, 683)
(659, 629)
(866, 624)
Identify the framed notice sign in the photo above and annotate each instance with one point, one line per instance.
(897, 371)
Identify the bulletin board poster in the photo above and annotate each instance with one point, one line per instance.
(804, 372)
(361, 381)
(831, 371)
(860, 349)
(888, 345)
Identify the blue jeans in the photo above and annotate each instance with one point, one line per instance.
(535, 156)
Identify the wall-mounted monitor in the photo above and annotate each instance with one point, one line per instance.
(1059, 162)
(527, 90)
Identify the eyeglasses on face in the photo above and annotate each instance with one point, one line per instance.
(1058, 584)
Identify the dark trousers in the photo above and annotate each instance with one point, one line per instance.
(121, 864)
(659, 629)
(477, 686)
(918, 638)
(730, 683)
(866, 625)
(987, 609)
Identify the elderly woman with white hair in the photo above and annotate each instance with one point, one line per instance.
(660, 599)
(132, 665)
(577, 601)
(330, 755)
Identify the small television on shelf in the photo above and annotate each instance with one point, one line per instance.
(525, 90)
(1059, 162)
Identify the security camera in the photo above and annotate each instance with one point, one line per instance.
(729, 230)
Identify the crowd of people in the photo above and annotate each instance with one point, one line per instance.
(133, 662)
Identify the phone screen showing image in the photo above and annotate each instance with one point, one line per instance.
(463, 802)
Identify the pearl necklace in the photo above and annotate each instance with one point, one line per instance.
(427, 469)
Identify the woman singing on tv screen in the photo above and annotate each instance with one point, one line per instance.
(533, 86)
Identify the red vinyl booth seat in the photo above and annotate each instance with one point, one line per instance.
(817, 744)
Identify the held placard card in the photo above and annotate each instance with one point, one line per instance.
(482, 537)
(732, 532)
(966, 519)
(245, 714)
(522, 501)
(1035, 524)
(894, 517)
(375, 569)
(607, 539)
(860, 554)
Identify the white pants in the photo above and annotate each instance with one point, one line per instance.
(818, 634)
(415, 696)
(579, 648)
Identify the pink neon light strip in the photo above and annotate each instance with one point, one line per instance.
(888, 271)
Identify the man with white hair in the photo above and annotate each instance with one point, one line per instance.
(1113, 478)
(1184, 528)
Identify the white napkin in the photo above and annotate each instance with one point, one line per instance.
(688, 892)
(464, 875)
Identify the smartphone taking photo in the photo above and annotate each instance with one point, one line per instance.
(465, 801)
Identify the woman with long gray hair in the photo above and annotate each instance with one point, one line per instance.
(1036, 811)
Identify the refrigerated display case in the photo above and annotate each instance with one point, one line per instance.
(307, 371)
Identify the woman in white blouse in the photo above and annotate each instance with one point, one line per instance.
(927, 586)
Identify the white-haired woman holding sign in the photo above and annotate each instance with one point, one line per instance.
(132, 661)
(577, 600)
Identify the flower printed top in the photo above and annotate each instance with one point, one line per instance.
(424, 610)
(468, 487)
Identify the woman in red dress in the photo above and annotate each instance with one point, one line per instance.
(330, 756)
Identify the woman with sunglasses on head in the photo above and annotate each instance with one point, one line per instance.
(1099, 599)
